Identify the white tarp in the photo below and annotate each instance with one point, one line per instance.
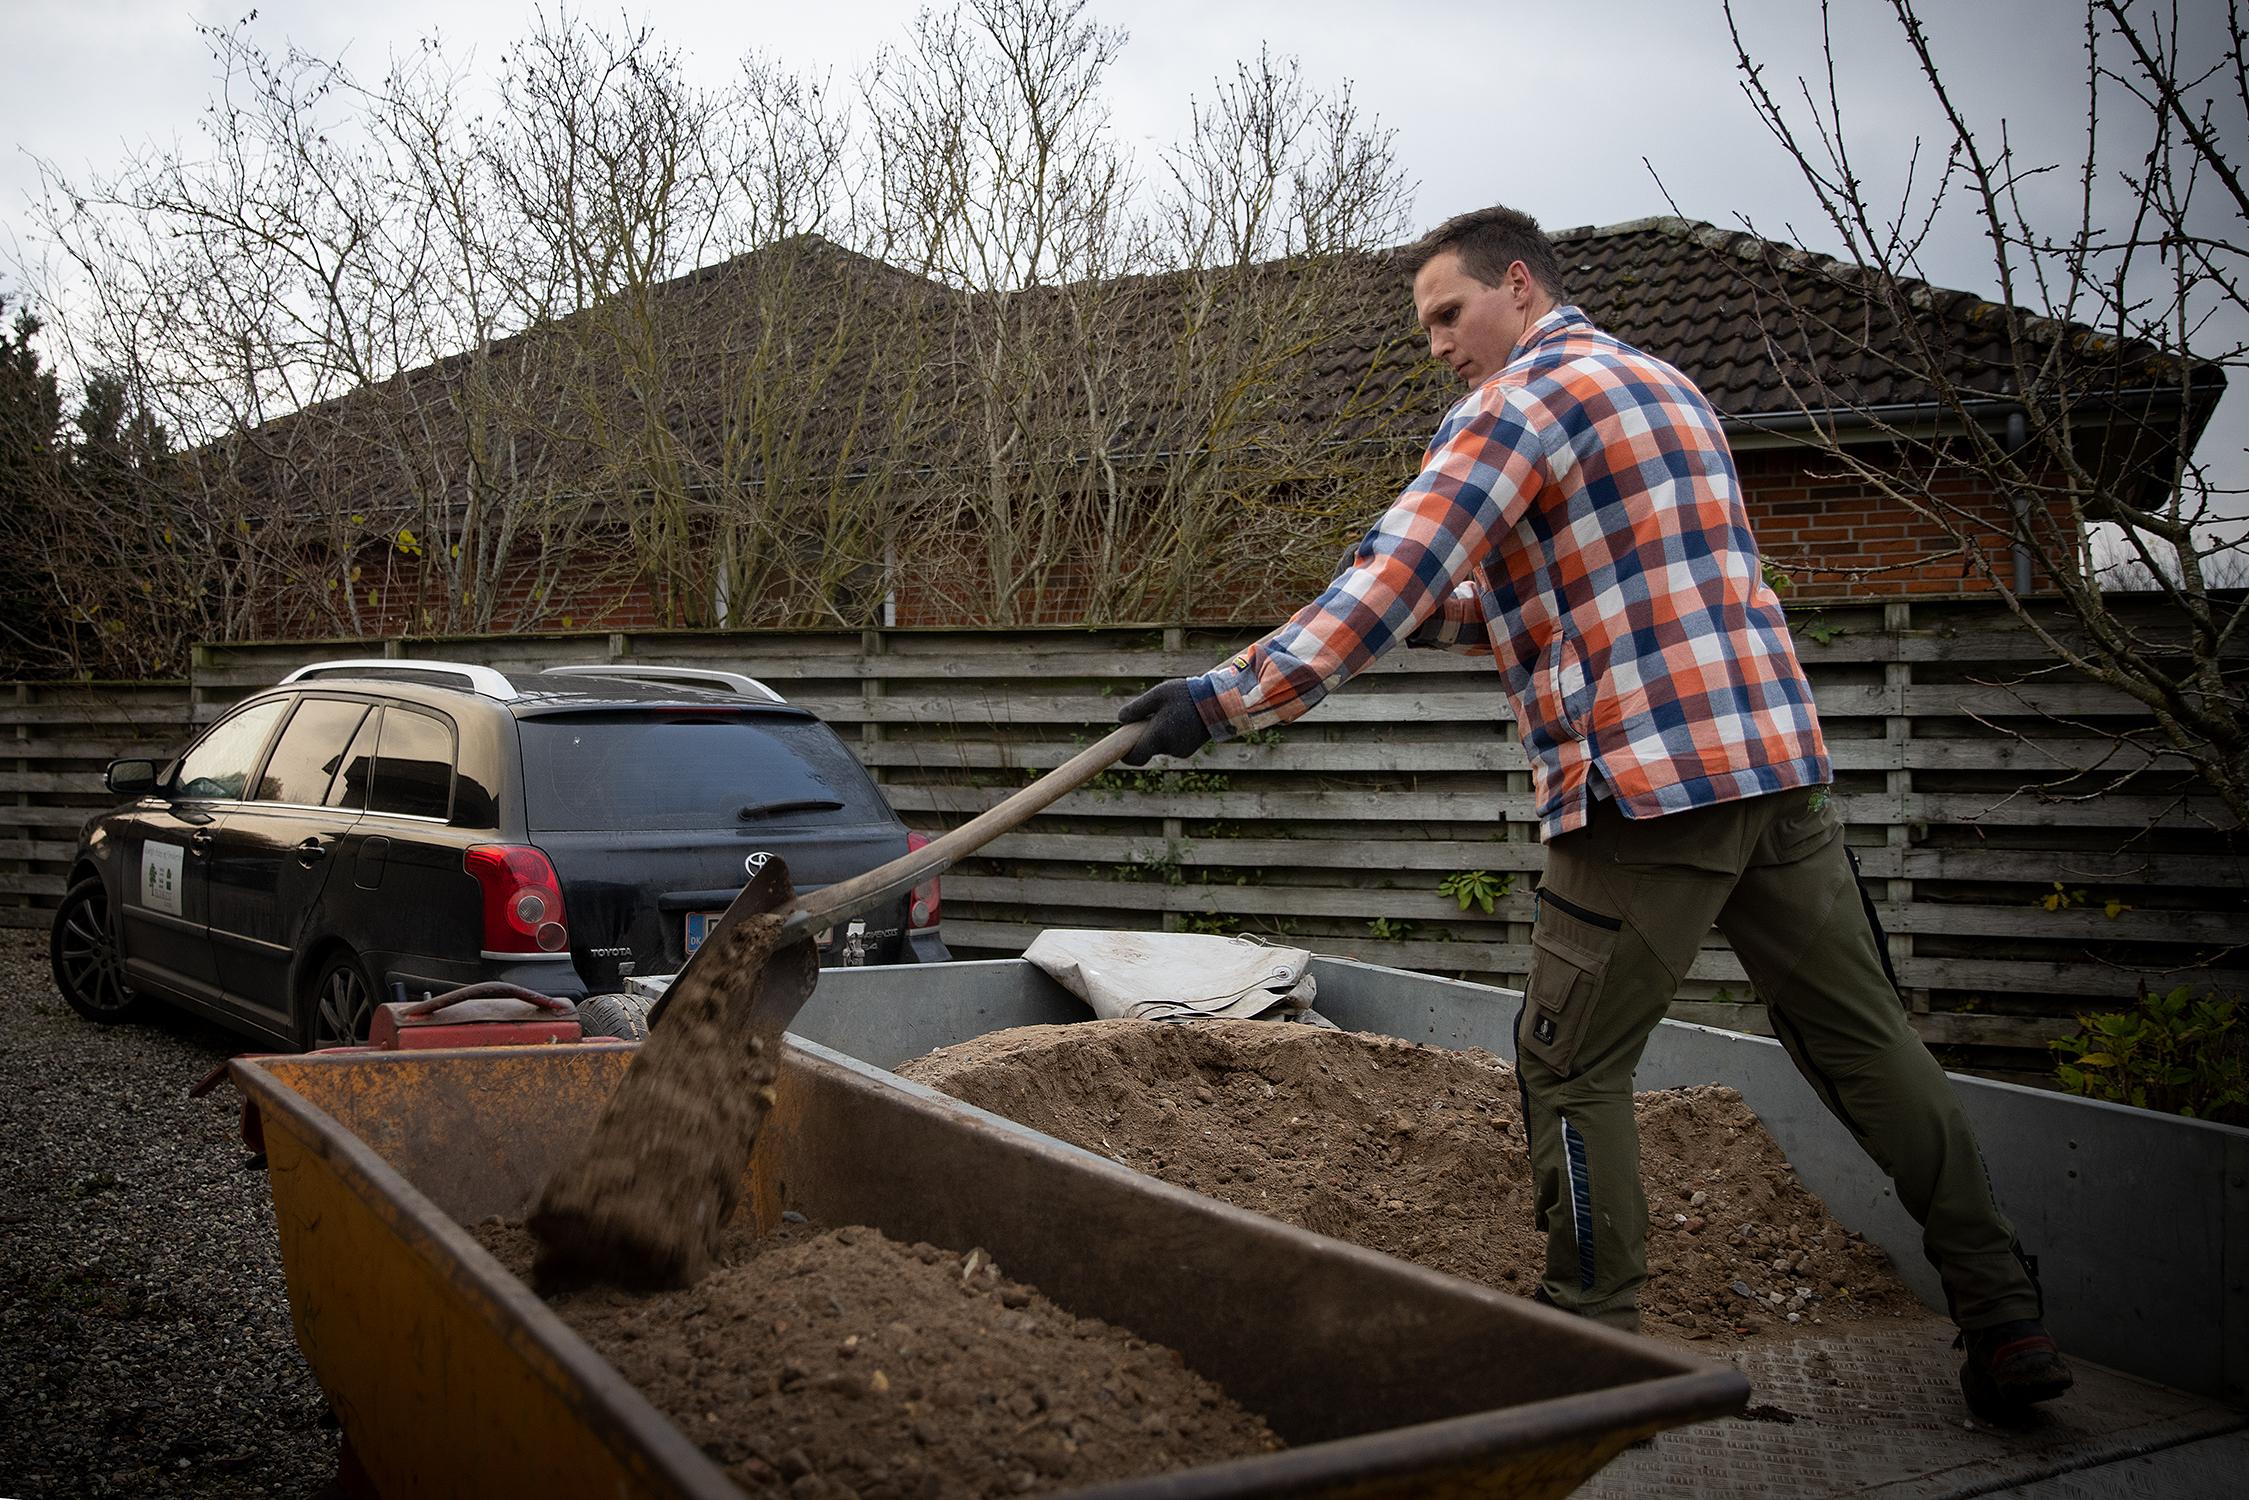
(1177, 976)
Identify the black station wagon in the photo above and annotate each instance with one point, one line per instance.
(368, 823)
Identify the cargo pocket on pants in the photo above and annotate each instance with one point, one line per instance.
(1570, 951)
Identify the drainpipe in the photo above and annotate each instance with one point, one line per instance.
(2018, 434)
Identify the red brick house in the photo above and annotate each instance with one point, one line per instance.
(804, 435)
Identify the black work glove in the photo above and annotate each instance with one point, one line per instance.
(1175, 725)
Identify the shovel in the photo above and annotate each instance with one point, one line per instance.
(661, 1172)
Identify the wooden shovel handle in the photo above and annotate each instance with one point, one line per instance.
(861, 893)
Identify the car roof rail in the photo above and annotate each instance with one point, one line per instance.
(484, 681)
(733, 682)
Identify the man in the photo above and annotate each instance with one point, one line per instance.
(1578, 517)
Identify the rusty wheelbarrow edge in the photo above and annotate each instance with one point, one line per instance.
(1382, 1458)
(645, 1439)
(619, 1416)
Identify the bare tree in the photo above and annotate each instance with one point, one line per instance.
(1129, 355)
(329, 241)
(1278, 195)
(736, 353)
(998, 178)
(2117, 322)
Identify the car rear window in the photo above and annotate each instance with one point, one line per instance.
(673, 770)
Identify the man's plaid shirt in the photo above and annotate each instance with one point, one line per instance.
(1579, 509)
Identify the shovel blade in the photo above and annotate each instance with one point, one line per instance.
(768, 889)
(645, 1201)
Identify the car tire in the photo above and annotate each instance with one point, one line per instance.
(338, 1006)
(615, 1015)
(88, 964)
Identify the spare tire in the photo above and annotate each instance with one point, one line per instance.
(623, 1016)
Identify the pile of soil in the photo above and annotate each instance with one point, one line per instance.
(1418, 1151)
(827, 1364)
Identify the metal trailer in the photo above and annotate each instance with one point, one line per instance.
(2140, 1222)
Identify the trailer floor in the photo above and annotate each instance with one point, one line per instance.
(1880, 1413)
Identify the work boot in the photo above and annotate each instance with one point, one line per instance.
(2009, 1368)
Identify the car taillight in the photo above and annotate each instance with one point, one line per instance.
(522, 899)
(926, 904)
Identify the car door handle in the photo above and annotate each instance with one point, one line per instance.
(200, 840)
(311, 851)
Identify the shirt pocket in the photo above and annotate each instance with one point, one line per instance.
(1565, 688)
(1570, 951)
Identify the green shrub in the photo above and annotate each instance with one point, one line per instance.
(2170, 1052)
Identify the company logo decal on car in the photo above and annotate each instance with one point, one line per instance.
(160, 876)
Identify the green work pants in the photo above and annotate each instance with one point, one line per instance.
(1623, 907)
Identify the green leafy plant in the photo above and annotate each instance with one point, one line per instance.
(1478, 888)
(1821, 630)
(2172, 1052)
(1390, 930)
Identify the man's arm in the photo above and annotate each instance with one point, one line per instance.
(1457, 624)
(1484, 468)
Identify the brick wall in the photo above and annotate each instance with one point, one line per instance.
(941, 588)
(1839, 541)
(1836, 541)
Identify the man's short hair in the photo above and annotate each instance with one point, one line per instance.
(1490, 240)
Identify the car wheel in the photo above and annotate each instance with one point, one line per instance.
(340, 1005)
(89, 969)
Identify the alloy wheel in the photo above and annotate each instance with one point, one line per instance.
(344, 1007)
(87, 964)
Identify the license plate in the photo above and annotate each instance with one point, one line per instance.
(701, 924)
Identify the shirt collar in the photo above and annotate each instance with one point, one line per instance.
(1556, 319)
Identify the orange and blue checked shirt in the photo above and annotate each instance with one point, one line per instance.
(1578, 517)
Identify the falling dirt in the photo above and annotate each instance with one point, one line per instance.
(645, 1200)
(1418, 1151)
(826, 1364)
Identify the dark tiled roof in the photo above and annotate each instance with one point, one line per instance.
(1765, 329)
(836, 363)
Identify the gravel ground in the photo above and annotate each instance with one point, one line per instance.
(145, 1346)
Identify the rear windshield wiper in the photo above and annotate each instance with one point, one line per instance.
(793, 804)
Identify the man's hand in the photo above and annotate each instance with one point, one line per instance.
(1175, 725)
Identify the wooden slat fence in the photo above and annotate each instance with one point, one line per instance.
(54, 740)
(1968, 799)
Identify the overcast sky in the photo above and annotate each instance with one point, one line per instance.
(1550, 106)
